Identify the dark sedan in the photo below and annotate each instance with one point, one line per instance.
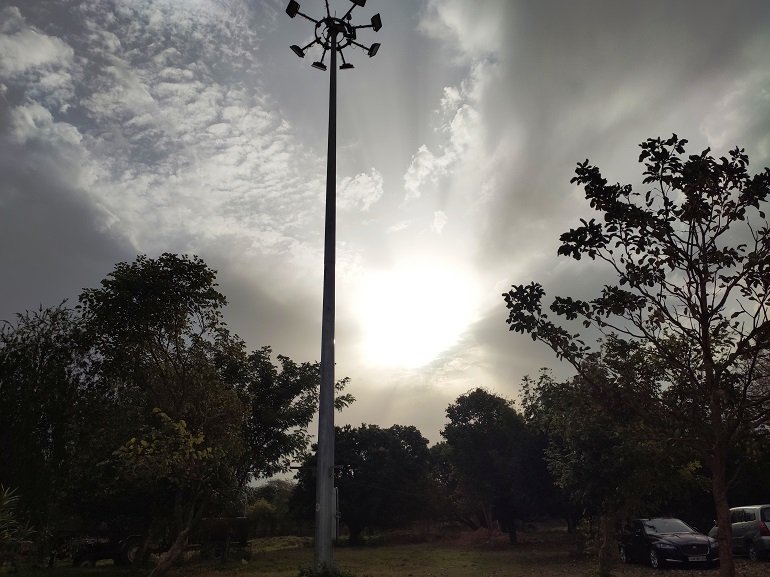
(664, 540)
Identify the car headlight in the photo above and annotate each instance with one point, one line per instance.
(666, 546)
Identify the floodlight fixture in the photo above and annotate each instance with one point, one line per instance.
(335, 34)
(345, 65)
(292, 9)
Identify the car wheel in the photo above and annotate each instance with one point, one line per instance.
(131, 551)
(623, 555)
(655, 561)
(753, 553)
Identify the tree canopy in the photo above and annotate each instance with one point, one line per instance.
(141, 403)
(381, 474)
(490, 453)
(691, 256)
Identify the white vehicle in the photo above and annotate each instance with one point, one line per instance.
(751, 531)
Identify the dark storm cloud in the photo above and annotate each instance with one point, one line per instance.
(589, 78)
(53, 240)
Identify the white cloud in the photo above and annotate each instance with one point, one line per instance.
(23, 48)
(34, 122)
(476, 29)
(439, 221)
(359, 192)
(461, 127)
(425, 167)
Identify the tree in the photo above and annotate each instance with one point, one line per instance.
(381, 476)
(692, 261)
(489, 443)
(140, 407)
(164, 356)
(605, 447)
(268, 511)
(280, 405)
(40, 410)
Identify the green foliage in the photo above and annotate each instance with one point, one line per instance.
(166, 451)
(41, 410)
(267, 508)
(12, 530)
(492, 459)
(281, 401)
(612, 448)
(382, 477)
(140, 407)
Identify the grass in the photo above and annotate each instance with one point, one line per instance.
(539, 554)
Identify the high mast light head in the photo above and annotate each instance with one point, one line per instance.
(336, 34)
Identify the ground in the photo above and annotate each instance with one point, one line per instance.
(538, 554)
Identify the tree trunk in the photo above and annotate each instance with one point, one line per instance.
(486, 519)
(170, 557)
(607, 541)
(572, 523)
(354, 534)
(725, 532)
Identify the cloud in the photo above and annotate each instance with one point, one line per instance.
(359, 192)
(474, 30)
(742, 118)
(462, 138)
(179, 137)
(157, 125)
(24, 49)
(439, 221)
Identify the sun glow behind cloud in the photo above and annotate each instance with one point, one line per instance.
(413, 311)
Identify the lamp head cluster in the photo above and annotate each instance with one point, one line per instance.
(335, 33)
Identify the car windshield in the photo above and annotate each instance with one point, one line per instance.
(666, 526)
(766, 514)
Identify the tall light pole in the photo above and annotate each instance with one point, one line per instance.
(333, 35)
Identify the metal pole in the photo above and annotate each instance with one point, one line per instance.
(324, 508)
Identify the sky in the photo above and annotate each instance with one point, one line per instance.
(188, 126)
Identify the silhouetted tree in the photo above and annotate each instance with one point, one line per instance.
(381, 474)
(41, 411)
(489, 448)
(158, 340)
(609, 444)
(692, 260)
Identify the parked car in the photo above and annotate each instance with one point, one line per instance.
(751, 531)
(86, 551)
(664, 541)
